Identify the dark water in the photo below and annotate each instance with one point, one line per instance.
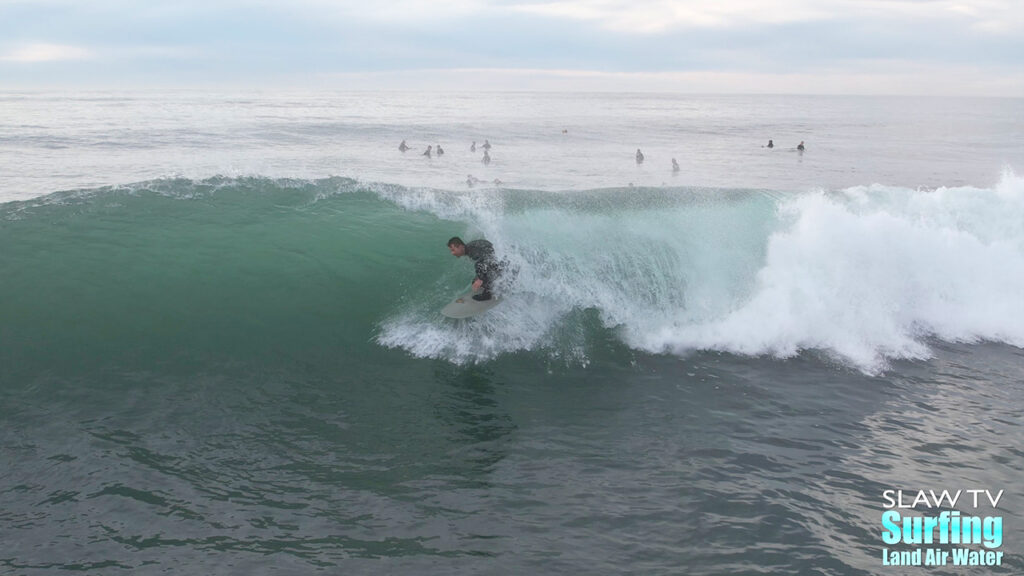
(196, 377)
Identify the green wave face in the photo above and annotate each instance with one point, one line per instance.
(178, 272)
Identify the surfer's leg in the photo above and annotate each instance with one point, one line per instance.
(485, 293)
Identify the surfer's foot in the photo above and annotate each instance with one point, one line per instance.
(485, 295)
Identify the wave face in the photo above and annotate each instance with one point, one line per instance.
(264, 270)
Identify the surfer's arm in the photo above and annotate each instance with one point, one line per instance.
(477, 283)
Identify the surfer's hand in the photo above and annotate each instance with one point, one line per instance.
(477, 284)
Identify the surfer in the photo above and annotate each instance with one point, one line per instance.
(675, 166)
(472, 147)
(440, 151)
(639, 156)
(800, 146)
(487, 268)
(487, 145)
(429, 153)
(487, 157)
(771, 144)
(402, 146)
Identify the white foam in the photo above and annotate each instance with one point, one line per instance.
(871, 274)
(866, 275)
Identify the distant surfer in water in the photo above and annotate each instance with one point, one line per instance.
(800, 146)
(429, 153)
(487, 267)
(639, 156)
(440, 151)
(771, 144)
(487, 157)
(402, 146)
(675, 166)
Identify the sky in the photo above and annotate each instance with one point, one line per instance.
(913, 47)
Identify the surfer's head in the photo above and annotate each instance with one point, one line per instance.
(457, 246)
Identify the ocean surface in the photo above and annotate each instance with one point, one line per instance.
(221, 351)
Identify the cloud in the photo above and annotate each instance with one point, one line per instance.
(660, 16)
(406, 11)
(41, 52)
(661, 41)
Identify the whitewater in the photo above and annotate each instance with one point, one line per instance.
(865, 274)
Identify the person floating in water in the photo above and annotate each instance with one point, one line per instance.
(800, 146)
(440, 151)
(639, 156)
(402, 146)
(771, 144)
(675, 166)
(487, 145)
(429, 153)
(471, 180)
(472, 147)
(486, 266)
(487, 157)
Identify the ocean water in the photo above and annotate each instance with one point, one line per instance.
(221, 352)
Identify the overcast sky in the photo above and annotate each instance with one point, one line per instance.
(948, 47)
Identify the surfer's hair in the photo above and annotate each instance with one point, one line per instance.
(456, 241)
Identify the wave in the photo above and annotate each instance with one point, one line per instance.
(256, 268)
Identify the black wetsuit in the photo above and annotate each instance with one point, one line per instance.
(487, 267)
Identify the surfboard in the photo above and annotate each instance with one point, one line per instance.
(465, 307)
